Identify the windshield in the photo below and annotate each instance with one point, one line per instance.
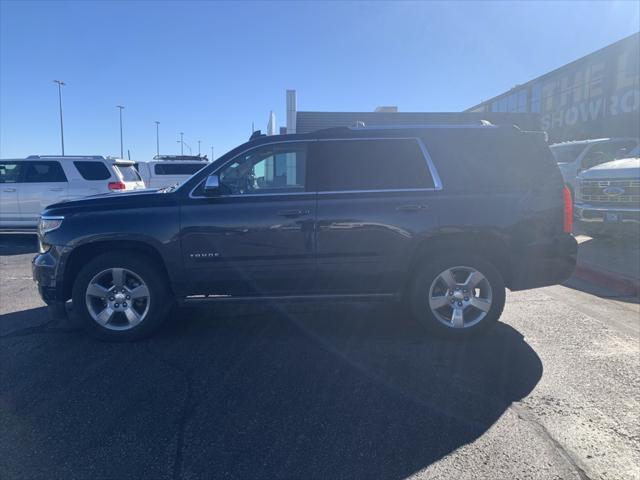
(566, 153)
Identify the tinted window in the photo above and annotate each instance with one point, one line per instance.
(481, 159)
(92, 170)
(270, 169)
(178, 168)
(40, 172)
(129, 173)
(10, 172)
(369, 165)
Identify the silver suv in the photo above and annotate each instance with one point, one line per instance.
(29, 185)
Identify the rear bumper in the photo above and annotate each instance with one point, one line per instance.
(542, 264)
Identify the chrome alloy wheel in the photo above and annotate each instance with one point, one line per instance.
(117, 299)
(460, 297)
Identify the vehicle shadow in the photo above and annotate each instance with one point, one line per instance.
(18, 244)
(342, 391)
(299, 391)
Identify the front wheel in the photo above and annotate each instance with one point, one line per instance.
(120, 297)
(458, 296)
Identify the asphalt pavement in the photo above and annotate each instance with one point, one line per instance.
(326, 391)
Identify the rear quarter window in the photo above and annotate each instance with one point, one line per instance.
(92, 170)
(492, 159)
(128, 173)
(177, 168)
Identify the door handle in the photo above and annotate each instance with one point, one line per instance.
(9, 189)
(56, 189)
(293, 213)
(412, 208)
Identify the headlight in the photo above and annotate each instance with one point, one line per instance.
(48, 224)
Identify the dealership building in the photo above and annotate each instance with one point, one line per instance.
(595, 96)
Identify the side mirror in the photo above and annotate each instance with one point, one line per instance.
(212, 184)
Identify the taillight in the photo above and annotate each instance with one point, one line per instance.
(568, 210)
(116, 186)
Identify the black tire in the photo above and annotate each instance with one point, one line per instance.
(160, 297)
(420, 290)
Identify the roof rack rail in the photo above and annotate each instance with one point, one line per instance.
(92, 157)
(201, 158)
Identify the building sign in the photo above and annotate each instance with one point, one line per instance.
(595, 96)
(587, 95)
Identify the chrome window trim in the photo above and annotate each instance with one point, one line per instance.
(435, 176)
(388, 190)
(437, 182)
(434, 126)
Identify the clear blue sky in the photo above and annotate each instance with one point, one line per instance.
(210, 69)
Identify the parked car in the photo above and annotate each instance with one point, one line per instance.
(28, 186)
(440, 217)
(168, 170)
(608, 199)
(574, 157)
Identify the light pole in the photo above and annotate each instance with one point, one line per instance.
(157, 138)
(121, 107)
(181, 143)
(199, 147)
(212, 153)
(60, 84)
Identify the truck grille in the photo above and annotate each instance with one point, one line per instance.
(611, 192)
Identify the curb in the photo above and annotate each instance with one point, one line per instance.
(603, 278)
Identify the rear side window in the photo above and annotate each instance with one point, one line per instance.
(129, 173)
(10, 172)
(387, 164)
(177, 168)
(92, 170)
(495, 158)
(44, 172)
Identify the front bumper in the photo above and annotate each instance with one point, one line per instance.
(597, 214)
(46, 269)
(545, 263)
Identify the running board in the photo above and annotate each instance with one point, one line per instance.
(289, 298)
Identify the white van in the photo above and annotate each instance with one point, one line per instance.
(29, 185)
(168, 170)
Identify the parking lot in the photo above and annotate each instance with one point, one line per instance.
(322, 390)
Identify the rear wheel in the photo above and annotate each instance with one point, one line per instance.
(458, 296)
(120, 297)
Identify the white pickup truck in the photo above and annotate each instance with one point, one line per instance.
(608, 199)
(577, 156)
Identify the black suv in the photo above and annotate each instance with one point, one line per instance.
(441, 217)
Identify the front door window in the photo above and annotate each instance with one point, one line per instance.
(266, 170)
